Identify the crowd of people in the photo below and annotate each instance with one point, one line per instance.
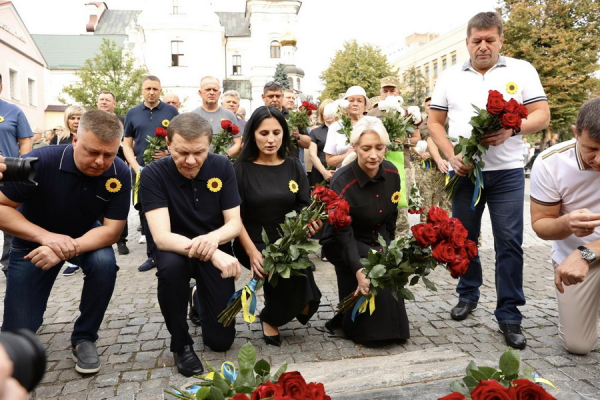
(202, 215)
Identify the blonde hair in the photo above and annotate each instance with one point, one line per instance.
(320, 117)
(369, 124)
(69, 112)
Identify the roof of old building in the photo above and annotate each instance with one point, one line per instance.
(114, 22)
(71, 51)
(235, 23)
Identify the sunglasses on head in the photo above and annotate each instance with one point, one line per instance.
(271, 83)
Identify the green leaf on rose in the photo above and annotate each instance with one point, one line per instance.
(477, 374)
(406, 294)
(220, 383)
(264, 236)
(429, 284)
(510, 362)
(311, 246)
(247, 356)
(470, 381)
(377, 271)
(262, 367)
(488, 371)
(280, 371)
(459, 386)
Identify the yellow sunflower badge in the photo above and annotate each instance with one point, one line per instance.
(1, 119)
(396, 197)
(293, 186)
(113, 185)
(214, 185)
(511, 88)
(165, 123)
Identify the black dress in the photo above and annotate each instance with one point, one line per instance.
(55, 140)
(373, 213)
(266, 199)
(319, 136)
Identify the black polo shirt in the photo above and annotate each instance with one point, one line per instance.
(66, 201)
(141, 122)
(194, 209)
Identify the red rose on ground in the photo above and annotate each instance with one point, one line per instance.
(524, 389)
(512, 107)
(458, 267)
(293, 384)
(522, 111)
(240, 396)
(471, 247)
(453, 396)
(266, 390)
(160, 132)
(225, 124)
(490, 390)
(436, 215)
(235, 130)
(495, 104)
(444, 252)
(511, 121)
(316, 391)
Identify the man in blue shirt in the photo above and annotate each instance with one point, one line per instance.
(57, 220)
(15, 134)
(141, 123)
(192, 203)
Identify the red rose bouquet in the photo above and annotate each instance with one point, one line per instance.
(158, 142)
(440, 241)
(507, 383)
(288, 255)
(224, 139)
(300, 119)
(253, 381)
(499, 114)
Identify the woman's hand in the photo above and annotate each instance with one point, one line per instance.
(256, 262)
(363, 283)
(328, 174)
(314, 227)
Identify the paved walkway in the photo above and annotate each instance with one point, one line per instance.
(136, 362)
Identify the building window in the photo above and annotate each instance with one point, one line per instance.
(298, 84)
(443, 63)
(427, 72)
(237, 64)
(13, 81)
(175, 6)
(435, 69)
(291, 80)
(176, 53)
(31, 92)
(275, 49)
(453, 58)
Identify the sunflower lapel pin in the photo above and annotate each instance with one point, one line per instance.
(293, 186)
(113, 185)
(214, 185)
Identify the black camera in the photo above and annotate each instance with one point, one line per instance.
(28, 356)
(19, 170)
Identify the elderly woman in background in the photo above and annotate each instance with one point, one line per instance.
(318, 137)
(72, 116)
(337, 146)
(371, 186)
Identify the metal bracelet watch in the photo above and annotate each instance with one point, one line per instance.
(587, 254)
(516, 132)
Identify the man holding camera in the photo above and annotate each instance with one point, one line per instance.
(57, 220)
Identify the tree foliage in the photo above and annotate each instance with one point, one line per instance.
(282, 77)
(111, 70)
(355, 64)
(562, 40)
(413, 88)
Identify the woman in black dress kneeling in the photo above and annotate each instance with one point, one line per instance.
(372, 187)
(272, 185)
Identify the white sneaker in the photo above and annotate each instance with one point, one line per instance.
(142, 239)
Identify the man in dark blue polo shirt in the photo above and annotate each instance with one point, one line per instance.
(192, 204)
(57, 220)
(141, 123)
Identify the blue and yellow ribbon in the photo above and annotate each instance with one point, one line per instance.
(248, 300)
(425, 164)
(478, 186)
(227, 371)
(362, 304)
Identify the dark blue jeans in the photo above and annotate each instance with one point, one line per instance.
(504, 194)
(28, 289)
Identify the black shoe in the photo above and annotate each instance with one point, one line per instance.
(187, 361)
(513, 336)
(122, 248)
(193, 314)
(334, 323)
(272, 340)
(462, 310)
(147, 265)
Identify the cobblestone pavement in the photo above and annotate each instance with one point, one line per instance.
(134, 341)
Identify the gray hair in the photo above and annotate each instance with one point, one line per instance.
(588, 119)
(101, 123)
(189, 126)
(366, 125)
(485, 20)
(232, 93)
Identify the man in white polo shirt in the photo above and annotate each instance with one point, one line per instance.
(565, 207)
(456, 90)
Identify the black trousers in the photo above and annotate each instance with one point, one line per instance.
(174, 274)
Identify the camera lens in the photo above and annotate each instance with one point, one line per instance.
(28, 356)
(19, 170)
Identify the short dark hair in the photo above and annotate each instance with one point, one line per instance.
(250, 150)
(189, 126)
(485, 20)
(101, 123)
(151, 78)
(272, 86)
(108, 92)
(588, 119)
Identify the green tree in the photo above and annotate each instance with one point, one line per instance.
(281, 76)
(111, 70)
(413, 88)
(355, 64)
(562, 41)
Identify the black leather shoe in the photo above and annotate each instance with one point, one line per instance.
(193, 314)
(187, 361)
(462, 310)
(513, 336)
(272, 340)
(334, 323)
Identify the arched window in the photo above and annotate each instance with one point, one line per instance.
(291, 80)
(298, 85)
(275, 49)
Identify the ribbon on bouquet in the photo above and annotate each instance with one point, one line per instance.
(248, 299)
(362, 304)
(478, 186)
(227, 371)
(425, 164)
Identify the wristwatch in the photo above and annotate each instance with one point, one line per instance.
(587, 254)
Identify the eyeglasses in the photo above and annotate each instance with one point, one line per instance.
(271, 83)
